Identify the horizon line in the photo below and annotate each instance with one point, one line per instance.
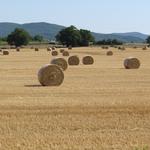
(75, 26)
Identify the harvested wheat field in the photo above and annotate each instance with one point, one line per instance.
(98, 107)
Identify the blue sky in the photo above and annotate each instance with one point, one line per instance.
(103, 16)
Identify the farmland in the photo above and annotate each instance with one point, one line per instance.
(101, 106)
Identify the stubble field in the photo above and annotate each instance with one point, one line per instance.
(98, 107)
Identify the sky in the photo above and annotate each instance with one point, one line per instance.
(103, 16)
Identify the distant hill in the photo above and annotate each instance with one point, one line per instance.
(121, 37)
(6, 28)
(133, 34)
(49, 31)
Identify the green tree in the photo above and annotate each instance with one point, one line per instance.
(18, 37)
(69, 36)
(148, 40)
(86, 37)
(4, 39)
(38, 38)
(109, 42)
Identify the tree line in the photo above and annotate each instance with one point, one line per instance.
(74, 37)
(21, 37)
(70, 36)
(109, 42)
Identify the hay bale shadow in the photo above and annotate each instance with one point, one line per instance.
(34, 85)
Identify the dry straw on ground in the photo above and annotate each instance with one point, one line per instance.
(65, 53)
(88, 60)
(98, 107)
(5, 52)
(61, 62)
(50, 75)
(73, 60)
(109, 53)
(54, 53)
(132, 63)
(18, 49)
(36, 49)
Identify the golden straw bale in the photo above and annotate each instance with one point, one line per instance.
(62, 50)
(5, 52)
(65, 53)
(18, 49)
(73, 60)
(54, 53)
(61, 62)
(88, 60)
(145, 48)
(69, 47)
(132, 63)
(53, 48)
(109, 53)
(36, 49)
(50, 75)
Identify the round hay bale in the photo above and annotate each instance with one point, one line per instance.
(105, 47)
(65, 53)
(50, 75)
(122, 48)
(36, 49)
(54, 53)
(49, 49)
(53, 48)
(132, 63)
(69, 47)
(73, 60)
(145, 48)
(62, 50)
(61, 62)
(5, 52)
(88, 60)
(109, 53)
(18, 49)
